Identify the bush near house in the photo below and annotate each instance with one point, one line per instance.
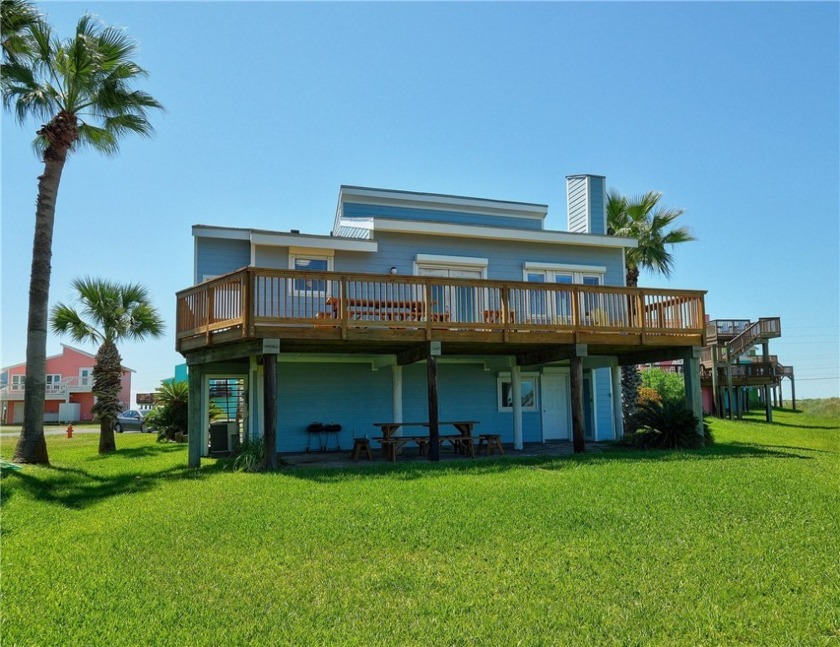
(171, 412)
(666, 425)
(170, 416)
(669, 386)
(647, 394)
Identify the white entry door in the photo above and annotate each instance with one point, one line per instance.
(555, 408)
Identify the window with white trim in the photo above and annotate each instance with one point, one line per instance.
(528, 388)
(53, 383)
(310, 287)
(18, 382)
(555, 306)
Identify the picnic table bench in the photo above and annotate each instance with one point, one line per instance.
(462, 442)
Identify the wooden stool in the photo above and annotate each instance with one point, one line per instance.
(491, 443)
(361, 445)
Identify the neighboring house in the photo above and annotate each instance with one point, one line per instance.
(69, 390)
(743, 375)
(732, 371)
(411, 291)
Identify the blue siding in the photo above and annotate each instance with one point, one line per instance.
(274, 258)
(215, 256)
(355, 210)
(355, 396)
(597, 205)
(506, 258)
(351, 395)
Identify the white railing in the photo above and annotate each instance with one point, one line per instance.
(67, 385)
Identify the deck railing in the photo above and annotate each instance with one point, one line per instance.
(52, 390)
(741, 371)
(252, 298)
(724, 329)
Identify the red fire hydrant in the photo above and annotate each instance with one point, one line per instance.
(69, 431)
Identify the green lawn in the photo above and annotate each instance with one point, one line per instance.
(735, 544)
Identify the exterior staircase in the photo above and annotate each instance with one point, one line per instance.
(757, 332)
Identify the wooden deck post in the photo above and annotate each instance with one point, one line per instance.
(792, 392)
(768, 406)
(431, 380)
(618, 417)
(516, 401)
(730, 390)
(397, 393)
(576, 384)
(693, 392)
(195, 420)
(271, 348)
(715, 382)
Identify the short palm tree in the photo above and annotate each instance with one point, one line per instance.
(80, 89)
(643, 219)
(171, 413)
(110, 313)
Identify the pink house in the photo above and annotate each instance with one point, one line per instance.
(69, 394)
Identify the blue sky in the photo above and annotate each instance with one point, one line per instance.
(731, 109)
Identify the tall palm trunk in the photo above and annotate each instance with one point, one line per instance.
(107, 382)
(61, 132)
(631, 379)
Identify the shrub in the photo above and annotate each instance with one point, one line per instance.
(669, 386)
(647, 394)
(667, 425)
(171, 413)
(630, 383)
(249, 456)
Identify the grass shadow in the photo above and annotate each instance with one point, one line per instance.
(787, 424)
(759, 419)
(76, 488)
(416, 469)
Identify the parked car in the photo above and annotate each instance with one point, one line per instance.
(131, 419)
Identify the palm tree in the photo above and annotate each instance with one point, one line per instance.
(110, 313)
(81, 90)
(17, 17)
(643, 219)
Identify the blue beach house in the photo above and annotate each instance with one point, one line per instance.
(520, 328)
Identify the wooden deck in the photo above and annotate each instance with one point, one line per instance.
(343, 312)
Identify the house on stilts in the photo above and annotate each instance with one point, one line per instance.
(428, 307)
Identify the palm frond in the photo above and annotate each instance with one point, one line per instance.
(113, 311)
(99, 139)
(17, 19)
(642, 218)
(66, 320)
(91, 73)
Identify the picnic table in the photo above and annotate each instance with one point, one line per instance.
(382, 309)
(391, 443)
